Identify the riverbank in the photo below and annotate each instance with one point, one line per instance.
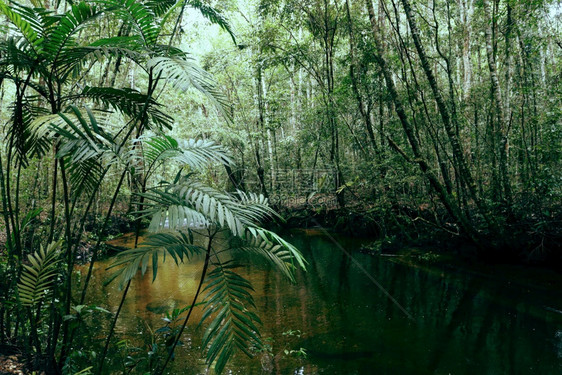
(527, 239)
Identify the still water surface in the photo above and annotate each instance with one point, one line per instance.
(461, 323)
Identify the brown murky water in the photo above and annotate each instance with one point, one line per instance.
(461, 323)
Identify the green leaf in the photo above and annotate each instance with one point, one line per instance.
(36, 279)
(228, 300)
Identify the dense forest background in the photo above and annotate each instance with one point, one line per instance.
(412, 120)
(443, 115)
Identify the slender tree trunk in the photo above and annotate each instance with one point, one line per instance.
(501, 129)
(363, 110)
(450, 127)
(440, 190)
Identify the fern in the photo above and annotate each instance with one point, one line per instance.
(37, 277)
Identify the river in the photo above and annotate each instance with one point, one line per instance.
(353, 313)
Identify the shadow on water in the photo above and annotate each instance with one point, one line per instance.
(462, 323)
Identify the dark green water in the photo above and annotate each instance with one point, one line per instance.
(461, 323)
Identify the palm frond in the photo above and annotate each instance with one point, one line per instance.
(129, 47)
(213, 15)
(84, 143)
(197, 154)
(27, 29)
(268, 245)
(15, 57)
(217, 207)
(182, 73)
(129, 102)
(160, 7)
(20, 132)
(253, 201)
(37, 277)
(61, 36)
(214, 205)
(169, 212)
(42, 20)
(85, 177)
(234, 325)
(139, 16)
(84, 138)
(179, 246)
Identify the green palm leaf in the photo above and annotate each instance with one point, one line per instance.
(127, 101)
(61, 36)
(139, 16)
(128, 47)
(233, 211)
(234, 326)
(182, 73)
(213, 15)
(178, 246)
(268, 245)
(27, 29)
(196, 154)
(168, 212)
(37, 277)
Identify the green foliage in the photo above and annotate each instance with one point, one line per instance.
(233, 325)
(37, 278)
(130, 103)
(182, 73)
(195, 154)
(178, 246)
(281, 254)
(190, 201)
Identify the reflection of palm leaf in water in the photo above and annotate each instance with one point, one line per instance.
(37, 278)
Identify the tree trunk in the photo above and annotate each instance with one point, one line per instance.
(501, 129)
(440, 190)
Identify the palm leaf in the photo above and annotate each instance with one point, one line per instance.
(178, 246)
(85, 177)
(37, 277)
(196, 154)
(61, 36)
(127, 101)
(236, 212)
(169, 212)
(182, 73)
(268, 245)
(216, 206)
(213, 15)
(27, 29)
(160, 7)
(120, 46)
(234, 324)
(139, 16)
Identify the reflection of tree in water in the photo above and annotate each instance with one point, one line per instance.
(463, 324)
